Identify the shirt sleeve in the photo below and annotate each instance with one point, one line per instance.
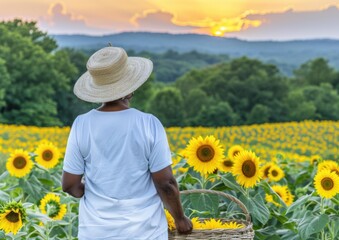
(160, 155)
(73, 160)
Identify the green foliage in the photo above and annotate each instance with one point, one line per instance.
(34, 74)
(167, 105)
(143, 95)
(4, 83)
(37, 78)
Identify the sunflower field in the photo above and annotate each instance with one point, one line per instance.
(285, 174)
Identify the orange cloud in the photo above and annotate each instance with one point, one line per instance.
(292, 24)
(158, 21)
(60, 21)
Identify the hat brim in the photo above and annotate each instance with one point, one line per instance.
(137, 72)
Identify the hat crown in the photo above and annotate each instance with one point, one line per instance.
(107, 65)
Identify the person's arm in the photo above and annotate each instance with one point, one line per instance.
(167, 188)
(72, 184)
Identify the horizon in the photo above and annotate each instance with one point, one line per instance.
(198, 34)
(260, 20)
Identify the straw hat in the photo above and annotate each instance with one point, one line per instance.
(112, 75)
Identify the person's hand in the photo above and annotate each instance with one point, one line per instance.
(184, 225)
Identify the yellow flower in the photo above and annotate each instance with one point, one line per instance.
(232, 225)
(205, 155)
(275, 173)
(212, 224)
(19, 164)
(282, 193)
(290, 197)
(329, 164)
(326, 183)
(196, 223)
(234, 151)
(246, 169)
(12, 217)
(315, 159)
(265, 169)
(51, 206)
(170, 221)
(226, 165)
(47, 155)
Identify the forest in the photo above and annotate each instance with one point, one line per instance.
(185, 89)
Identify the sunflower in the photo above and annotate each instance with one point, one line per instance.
(47, 155)
(315, 159)
(12, 217)
(282, 193)
(170, 221)
(196, 223)
(246, 169)
(234, 151)
(290, 197)
(275, 173)
(205, 155)
(19, 164)
(212, 224)
(265, 169)
(329, 164)
(51, 206)
(326, 183)
(226, 165)
(232, 225)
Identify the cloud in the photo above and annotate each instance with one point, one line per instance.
(291, 24)
(159, 21)
(59, 21)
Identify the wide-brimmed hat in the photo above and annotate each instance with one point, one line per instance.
(112, 75)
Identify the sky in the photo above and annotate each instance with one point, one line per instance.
(245, 19)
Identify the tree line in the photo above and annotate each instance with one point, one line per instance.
(185, 89)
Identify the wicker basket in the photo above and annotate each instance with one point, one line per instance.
(228, 234)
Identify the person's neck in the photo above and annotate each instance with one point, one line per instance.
(118, 105)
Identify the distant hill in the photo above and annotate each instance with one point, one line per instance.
(286, 54)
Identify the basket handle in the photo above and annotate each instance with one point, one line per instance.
(230, 197)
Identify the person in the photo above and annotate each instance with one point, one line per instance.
(117, 159)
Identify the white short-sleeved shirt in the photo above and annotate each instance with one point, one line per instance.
(116, 152)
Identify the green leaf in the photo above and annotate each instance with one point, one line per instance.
(230, 182)
(46, 182)
(318, 223)
(205, 202)
(4, 196)
(300, 202)
(3, 176)
(257, 207)
(311, 224)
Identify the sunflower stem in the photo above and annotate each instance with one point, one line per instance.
(70, 224)
(203, 182)
(247, 193)
(322, 210)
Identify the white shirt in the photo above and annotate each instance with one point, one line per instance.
(116, 152)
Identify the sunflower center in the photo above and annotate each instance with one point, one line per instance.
(47, 155)
(248, 168)
(327, 183)
(205, 153)
(266, 171)
(13, 217)
(19, 162)
(274, 173)
(228, 163)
